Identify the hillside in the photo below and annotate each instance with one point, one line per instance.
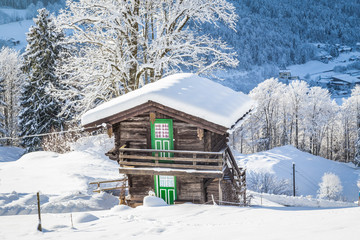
(266, 33)
(281, 32)
(309, 170)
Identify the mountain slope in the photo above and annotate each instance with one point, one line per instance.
(279, 32)
(309, 169)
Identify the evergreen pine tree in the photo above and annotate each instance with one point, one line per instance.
(39, 110)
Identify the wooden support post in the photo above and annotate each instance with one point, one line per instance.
(203, 191)
(152, 117)
(39, 228)
(121, 156)
(157, 155)
(294, 180)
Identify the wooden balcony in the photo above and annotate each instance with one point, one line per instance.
(181, 163)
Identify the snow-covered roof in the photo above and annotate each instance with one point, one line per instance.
(185, 92)
(347, 78)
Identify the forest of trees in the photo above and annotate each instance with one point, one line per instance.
(305, 117)
(23, 4)
(133, 43)
(281, 32)
(30, 7)
(137, 42)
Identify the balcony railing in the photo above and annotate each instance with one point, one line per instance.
(150, 158)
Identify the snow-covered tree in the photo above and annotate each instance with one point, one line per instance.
(317, 116)
(268, 95)
(2, 108)
(39, 109)
(330, 187)
(297, 94)
(354, 104)
(268, 183)
(11, 73)
(122, 45)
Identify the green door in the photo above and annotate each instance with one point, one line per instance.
(165, 187)
(162, 139)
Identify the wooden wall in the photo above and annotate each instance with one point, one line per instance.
(189, 189)
(136, 133)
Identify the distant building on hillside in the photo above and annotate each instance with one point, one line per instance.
(358, 46)
(345, 49)
(343, 82)
(285, 75)
(326, 58)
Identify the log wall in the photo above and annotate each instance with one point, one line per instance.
(136, 133)
(189, 189)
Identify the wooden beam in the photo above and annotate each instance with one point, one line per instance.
(169, 165)
(203, 191)
(110, 181)
(178, 159)
(142, 171)
(152, 117)
(118, 117)
(170, 151)
(151, 106)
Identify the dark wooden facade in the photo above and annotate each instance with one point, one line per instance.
(203, 164)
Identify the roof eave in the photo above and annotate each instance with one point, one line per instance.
(151, 106)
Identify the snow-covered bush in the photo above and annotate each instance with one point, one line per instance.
(268, 183)
(330, 187)
(60, 142)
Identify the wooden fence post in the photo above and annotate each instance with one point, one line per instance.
(38, 203)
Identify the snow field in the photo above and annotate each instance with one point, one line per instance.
(188, 221)
(17, 31)
(62, 179)
(67, 202)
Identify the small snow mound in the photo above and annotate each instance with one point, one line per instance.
(95, 144)
(152, 201)
(120, 208)
(85, 217)
(10, 154)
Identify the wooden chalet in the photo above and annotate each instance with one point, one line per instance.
(171, 138)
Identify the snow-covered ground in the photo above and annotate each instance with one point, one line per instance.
(309, 169)
(9, 154)
(62, 179)
(15, 13)
(318, 68)
(68, 204)
(189, 221)
(16, 31)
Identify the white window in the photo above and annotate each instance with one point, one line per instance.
(161, 130)
(166, 181)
